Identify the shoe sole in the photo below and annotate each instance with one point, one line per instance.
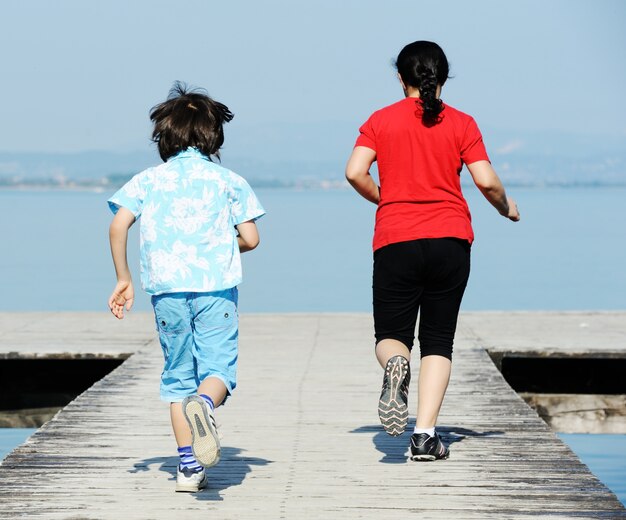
(392, 412)
(192, 489)
(205, 443)
(427, 458)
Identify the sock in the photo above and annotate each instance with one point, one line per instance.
(187, 460)
(208, 401)
(429, 431)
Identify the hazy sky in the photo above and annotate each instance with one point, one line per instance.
(80, 75)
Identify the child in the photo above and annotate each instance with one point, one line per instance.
(196, 219)
(422, 236)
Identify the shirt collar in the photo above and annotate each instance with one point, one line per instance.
(190, 152)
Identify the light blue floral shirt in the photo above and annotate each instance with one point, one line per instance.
(189, 207)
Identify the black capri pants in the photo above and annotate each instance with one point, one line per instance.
(428, 275)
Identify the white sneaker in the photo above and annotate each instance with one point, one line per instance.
(205, 442)
(189, 481)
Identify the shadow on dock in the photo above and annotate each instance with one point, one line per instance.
(395, 449)
(231, 471)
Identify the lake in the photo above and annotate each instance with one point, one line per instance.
(567, 253)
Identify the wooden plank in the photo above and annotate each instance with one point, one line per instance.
(301, 436)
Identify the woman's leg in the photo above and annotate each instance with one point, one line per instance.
(434, 376)
(388, 348)
(397, 291)
(449, 266)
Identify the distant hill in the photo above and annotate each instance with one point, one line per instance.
(315, 154)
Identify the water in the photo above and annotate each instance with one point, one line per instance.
(605, 455)
(567, 253)
(12, 437)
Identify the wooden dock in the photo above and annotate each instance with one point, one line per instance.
(301, 438)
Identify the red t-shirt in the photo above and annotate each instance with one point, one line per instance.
(419, 169)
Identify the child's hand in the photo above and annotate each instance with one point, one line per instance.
(123, 294)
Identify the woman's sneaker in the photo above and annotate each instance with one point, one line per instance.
(189, 480)
(205, 442)
(393, 408)
(427, 448)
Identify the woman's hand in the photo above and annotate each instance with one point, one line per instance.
(513, 211)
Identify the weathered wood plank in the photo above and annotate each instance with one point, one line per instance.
(301, 436)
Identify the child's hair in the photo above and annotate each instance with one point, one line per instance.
(423, 65)
(189, 118)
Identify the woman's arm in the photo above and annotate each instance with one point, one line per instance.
(489, 184)
(248, 237)
(358, 173)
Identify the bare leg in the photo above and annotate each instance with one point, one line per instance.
(179, 425)
(387, 348)
(393, 411)
(433, 381)
(215, 388)
(211, 386)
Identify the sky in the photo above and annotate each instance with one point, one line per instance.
(301, 76)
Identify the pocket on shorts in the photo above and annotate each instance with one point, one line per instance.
(218, 310)
(170, 315)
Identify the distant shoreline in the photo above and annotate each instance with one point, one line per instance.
(297, 185)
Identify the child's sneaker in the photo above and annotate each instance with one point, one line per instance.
(205, 442)
(189, 480)
(427, 448)
(392, 405)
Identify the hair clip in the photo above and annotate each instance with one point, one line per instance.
(192, 106)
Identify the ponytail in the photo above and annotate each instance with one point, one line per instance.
(423, 65)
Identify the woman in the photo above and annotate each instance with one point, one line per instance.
(422, 236)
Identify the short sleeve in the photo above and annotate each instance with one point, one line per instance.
(129, 196)
(366, 137)
(472, 146)
(244, 204)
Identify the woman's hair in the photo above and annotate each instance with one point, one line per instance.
(423, 65)
(189, 118)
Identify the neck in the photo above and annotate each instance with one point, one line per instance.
(413, 92)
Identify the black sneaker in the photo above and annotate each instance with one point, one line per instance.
(392, 405)
(427, 448)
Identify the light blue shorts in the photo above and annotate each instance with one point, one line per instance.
(199, 334)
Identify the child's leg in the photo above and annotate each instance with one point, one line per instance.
(182, 433)
(216, 335)
(215, 388)
(178, 380)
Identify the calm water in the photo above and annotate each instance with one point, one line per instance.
(12, 437)
(606, 457)
(567, 253)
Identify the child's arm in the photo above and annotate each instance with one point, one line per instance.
(358, 173)
(248, 237)
(123, 294)
(488, 182)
